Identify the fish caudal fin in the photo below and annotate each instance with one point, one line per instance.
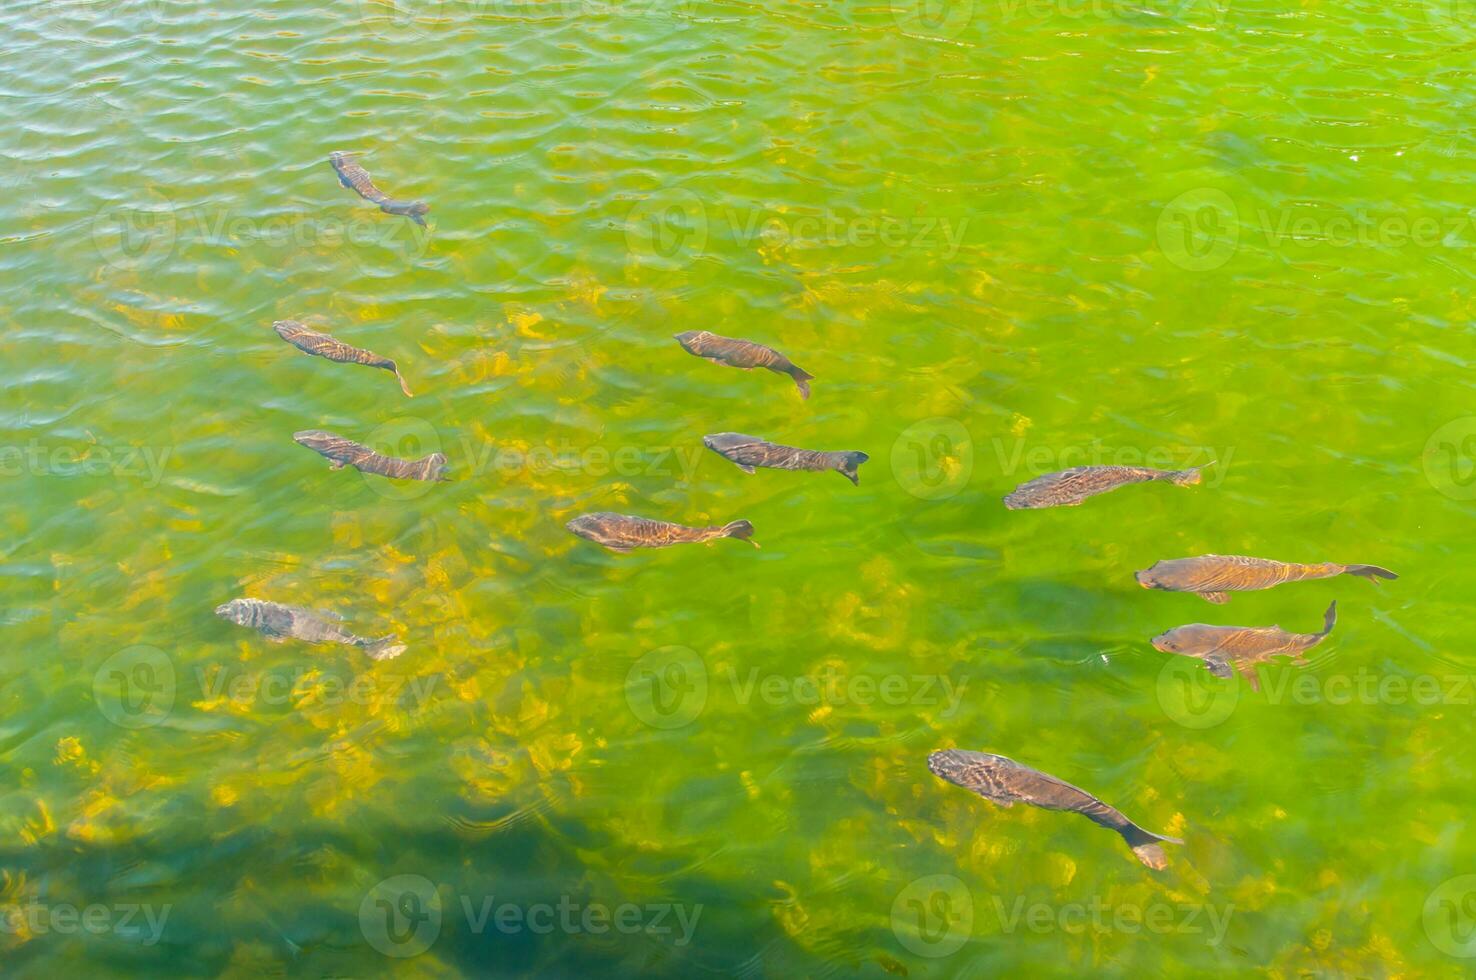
(850, 462)
(802, 381)
(1186, 478)
(1329, 619)
(385, 648)
(742, 530)
(401, 379)
(1146, 846)
(1152, 856)
(1371, 572)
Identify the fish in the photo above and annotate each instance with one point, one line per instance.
(345, 452)
(322, 345)
(1006, 782)
(280, 623)
(1212, 576)
(621, 533)
(1068, 488)
(357, 179)
(746, 452)
(743, 354)
(1242, 647)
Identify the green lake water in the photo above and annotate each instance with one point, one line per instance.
(1005, 236)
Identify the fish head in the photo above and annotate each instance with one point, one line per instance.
(236, 611)
(1147, 579)
(315, 439)
(438, 464)
(689, 339)
(723, 442)
(287, 329)
(585, 525)
(1191, 640)
(951, 764)
(1167, 642)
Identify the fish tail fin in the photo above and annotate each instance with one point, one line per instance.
(742, 530)
(802, 379)
(1145, 845)
(1152, 856)
(401, 379)
(849, 463)
(384, 648)
(1329, 618)
(1371, 572)
(1187, 478)
(417, 212)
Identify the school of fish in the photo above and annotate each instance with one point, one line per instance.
(1224, 650)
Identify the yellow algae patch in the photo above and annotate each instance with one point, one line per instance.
(1019, 425)
(69, 752)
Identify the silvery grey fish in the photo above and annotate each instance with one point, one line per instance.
(1006, 782)
(1212, 576)
(746, 452)
(321, 345)
(621, 533)
(356, 179)
(1242, 647)
(1070, 487)
(345, 452)
(279, 623)
(743, 354)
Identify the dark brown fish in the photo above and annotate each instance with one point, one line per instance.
(1006, 782)
(746, 452)
(1242, 647)
(356, 179)
(1214, 575)
(621, 533)
(1070, 487)
(322, 345)
(743, 354)
(344, 452)
(278, 623)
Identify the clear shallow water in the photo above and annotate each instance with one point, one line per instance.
(1003, 236)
